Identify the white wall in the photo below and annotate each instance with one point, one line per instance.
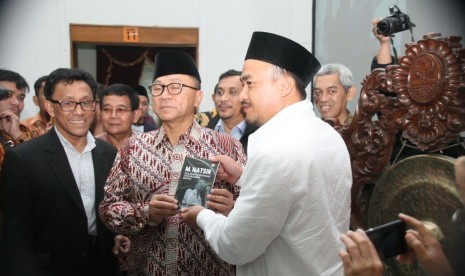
(34, 35)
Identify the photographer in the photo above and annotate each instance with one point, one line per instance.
(383, 29)
(383, 57)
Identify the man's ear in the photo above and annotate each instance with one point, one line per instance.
(137, 114)
(35, 99)
(49, 108)
(287, 86)
(351, 93)
(198, 99)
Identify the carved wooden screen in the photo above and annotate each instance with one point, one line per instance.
(423, 97)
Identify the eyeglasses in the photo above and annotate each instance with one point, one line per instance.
(71, 105)
(119, 111)
(173, 88)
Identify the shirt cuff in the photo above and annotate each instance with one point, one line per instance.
(203, 217)
(146, 214)
(239, 181)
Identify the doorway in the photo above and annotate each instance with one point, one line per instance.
(122, 54)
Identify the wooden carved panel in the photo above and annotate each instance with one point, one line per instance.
(423, 97)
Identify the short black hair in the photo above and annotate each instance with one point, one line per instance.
(229, 73)
(119, 89)
(20, 82)
(37, 84)
(68, 76)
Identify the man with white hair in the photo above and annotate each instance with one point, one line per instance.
(333, 88)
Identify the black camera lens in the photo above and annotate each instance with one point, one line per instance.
(383, 27)
(393, 24)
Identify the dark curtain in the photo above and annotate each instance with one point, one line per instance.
(123, 64)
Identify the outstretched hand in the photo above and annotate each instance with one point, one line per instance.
(162, 206)
(189, 215)
(221, 200)
(229, 170)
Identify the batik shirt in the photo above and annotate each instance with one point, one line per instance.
(104, 136)
(147, 165)
(7, 141)
(37, 124)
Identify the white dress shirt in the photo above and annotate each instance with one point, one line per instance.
(294, 201)
(82, 166)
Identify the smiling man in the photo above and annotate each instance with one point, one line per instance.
(333, 88)
(230, 118)
(52, 186)
(139, 194)
(119, 109)
(295, 190)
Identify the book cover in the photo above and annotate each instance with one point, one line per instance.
(195, 182)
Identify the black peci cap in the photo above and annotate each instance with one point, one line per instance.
(141, 91)
(284, 53)
(174, 62)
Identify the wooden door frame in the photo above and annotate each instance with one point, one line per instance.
(147, 36)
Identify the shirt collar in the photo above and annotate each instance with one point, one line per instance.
(89, 138)
(239, 128)
(193, 133)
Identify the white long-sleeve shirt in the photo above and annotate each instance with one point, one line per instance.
(294, 201)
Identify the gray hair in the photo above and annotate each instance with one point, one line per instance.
(345, 76)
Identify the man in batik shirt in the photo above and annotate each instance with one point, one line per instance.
(119, 108)
(40, 122)
(139, 194)
(13, 89)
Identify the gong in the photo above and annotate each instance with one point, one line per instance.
(422, 186)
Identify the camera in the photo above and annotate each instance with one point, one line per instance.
(396, 22)
(4, 93)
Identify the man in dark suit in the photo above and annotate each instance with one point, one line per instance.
(230, 119)
(52, 186)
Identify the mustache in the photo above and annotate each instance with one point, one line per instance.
(245, 103)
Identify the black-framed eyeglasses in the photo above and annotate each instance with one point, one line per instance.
(107, 111)
(173, 88)
(71, 105)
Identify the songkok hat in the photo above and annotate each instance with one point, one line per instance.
(174, 62)
(141, 91)
(284, 53)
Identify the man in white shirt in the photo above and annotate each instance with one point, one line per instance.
(295, 189)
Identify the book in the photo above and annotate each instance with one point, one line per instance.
(195, 182)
